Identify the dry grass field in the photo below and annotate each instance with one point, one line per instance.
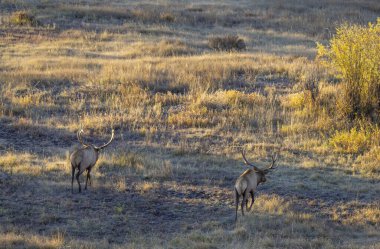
(186, 86)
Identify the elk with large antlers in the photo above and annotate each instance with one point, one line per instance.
(247, 183)
(84, 159)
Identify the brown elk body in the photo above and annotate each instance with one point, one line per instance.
(84, 159)
(247, 183)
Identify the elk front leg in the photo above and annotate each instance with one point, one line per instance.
(72, 178)
(243, 202)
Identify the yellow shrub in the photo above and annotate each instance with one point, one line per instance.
(9, 160)
(295, 100)
(354, 52)
(225, 99)
(22, 18)
(353, 141)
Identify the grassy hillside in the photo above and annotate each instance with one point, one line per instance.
(186, 88)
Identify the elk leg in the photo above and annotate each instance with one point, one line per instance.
(88, 178)
(253, 200)
(85, 186)
(77, 176)
(243, 202)
(72, 178)
(236, 203)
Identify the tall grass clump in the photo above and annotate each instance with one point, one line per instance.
(354, 53)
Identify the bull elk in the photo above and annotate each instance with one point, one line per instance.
(247, 183)
(84, 159)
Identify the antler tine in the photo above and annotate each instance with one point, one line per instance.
(245, 159)
(80, 139)
(274, 159)
(106, 144)
(248, 163)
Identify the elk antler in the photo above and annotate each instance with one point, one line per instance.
(248, 163)
(106, 144)
(271, 167)
(79, 136)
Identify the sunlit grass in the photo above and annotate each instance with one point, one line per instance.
(182, 113)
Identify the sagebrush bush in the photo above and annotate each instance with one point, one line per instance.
(22, 18)
(227, 43)
(354, 52)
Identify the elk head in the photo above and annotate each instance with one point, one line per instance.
(96, 148)
(261, 172)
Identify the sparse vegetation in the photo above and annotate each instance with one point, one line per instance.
(183, 106)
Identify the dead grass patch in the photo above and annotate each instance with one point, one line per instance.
(13, 240)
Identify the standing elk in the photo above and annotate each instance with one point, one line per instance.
(247, 183)
(84, 159)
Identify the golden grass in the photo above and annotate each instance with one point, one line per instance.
(271, 204)
(356, 214)
(182, 112)
(12, 240)
(20, 163)
(146, 186)
(368, 163)
(145, 164)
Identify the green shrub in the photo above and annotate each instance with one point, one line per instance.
(354, 53)
(227, 43)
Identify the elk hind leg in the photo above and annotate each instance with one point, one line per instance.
(237, 197)
(253, 200)
(77, 176)
(243, 202)
(72, 178)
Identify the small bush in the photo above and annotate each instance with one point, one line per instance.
(23, 18)
(227, 43)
